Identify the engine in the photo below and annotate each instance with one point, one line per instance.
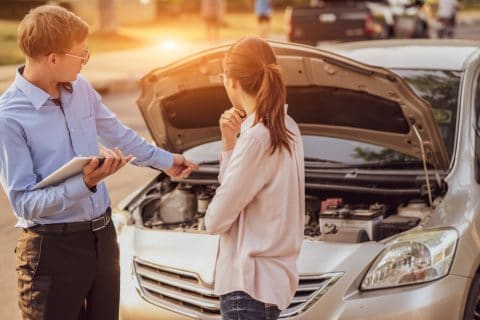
(181, 206)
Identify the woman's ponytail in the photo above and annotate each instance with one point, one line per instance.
(271, 107)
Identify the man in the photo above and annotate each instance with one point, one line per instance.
(263, 10)
(212, 11)
(67, 254)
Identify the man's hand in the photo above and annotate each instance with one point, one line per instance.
(93, 173)
(230, 123)
(181, 167)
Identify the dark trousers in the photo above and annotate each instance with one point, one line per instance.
(68, 276)
(239, 305)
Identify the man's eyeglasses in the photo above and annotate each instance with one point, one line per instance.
(84, 58)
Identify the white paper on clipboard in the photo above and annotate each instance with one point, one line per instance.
(68, 170)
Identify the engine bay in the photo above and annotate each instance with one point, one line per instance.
(329, 215)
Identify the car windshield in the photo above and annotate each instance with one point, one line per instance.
(439, 88)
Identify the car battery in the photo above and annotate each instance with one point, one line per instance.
(393, 225)
(334, 219)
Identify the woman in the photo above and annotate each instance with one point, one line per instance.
(258, 209)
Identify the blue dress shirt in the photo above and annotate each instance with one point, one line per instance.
(262, 7)
(37, 138)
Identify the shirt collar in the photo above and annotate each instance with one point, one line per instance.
(247, 123)
(36, 95)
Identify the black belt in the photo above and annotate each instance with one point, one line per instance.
(92, 225)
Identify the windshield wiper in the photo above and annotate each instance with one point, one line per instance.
(209, 163)
(390, 163)
(311, 159)
(374, 164)
(313, 163)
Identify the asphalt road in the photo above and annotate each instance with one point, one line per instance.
(119, 185)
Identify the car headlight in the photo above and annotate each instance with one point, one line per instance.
(413, 258)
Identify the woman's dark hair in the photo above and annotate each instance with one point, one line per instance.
(253, 63)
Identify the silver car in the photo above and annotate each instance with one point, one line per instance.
(392, 166)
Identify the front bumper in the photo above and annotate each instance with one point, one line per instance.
(437, 300)
(134, 307)
(441, 299)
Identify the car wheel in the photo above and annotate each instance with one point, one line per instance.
(472, 307)
(385, 32)
(390, 31)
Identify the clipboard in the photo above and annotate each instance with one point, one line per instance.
(68, 170)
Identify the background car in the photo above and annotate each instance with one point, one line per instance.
(343, 20)
(392, 195)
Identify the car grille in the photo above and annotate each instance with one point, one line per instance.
(187, 294)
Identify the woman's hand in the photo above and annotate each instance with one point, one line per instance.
(230, 123)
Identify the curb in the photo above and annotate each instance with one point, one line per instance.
(469, 22)
(468, 19)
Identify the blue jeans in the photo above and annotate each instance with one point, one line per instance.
(239, 305)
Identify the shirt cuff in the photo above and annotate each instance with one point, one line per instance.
(76, 187)
(164, 159)
(224, 156)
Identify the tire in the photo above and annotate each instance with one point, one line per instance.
(390, 31)
(472, 306)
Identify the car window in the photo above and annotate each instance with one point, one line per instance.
(441, 89)
(477, 102)
(477, 129)
(315, 147)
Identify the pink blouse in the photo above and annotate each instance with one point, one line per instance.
(259, 211)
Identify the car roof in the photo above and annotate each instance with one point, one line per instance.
(409, 53)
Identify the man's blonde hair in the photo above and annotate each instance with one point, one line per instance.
(48, 29)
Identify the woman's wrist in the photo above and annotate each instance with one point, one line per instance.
(227, 144)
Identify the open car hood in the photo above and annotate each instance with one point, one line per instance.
(327, 95)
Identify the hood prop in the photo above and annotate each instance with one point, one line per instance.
(425, 169)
